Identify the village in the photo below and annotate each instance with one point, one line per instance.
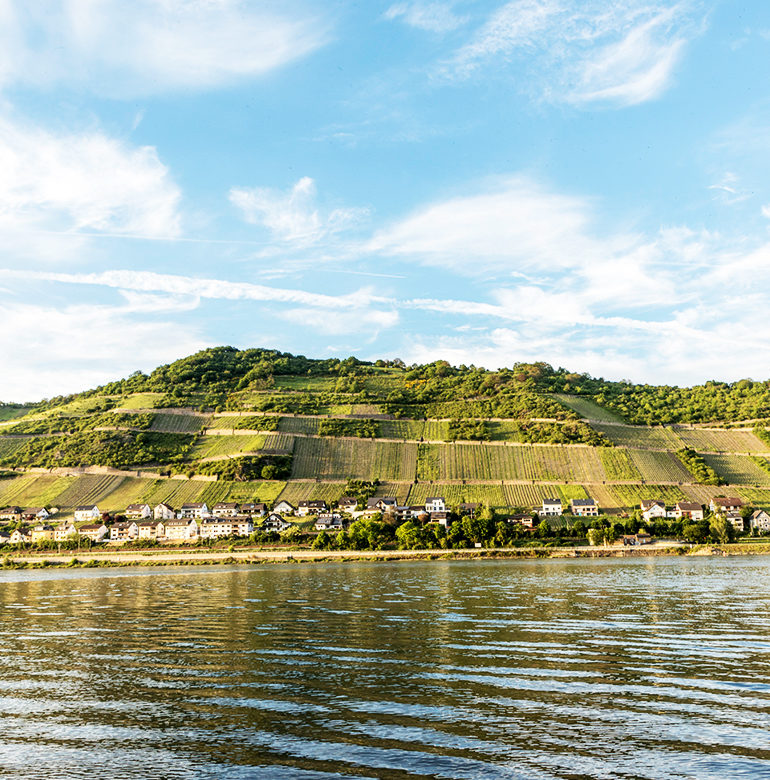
(196, 521)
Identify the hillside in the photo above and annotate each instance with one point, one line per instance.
(259, 424)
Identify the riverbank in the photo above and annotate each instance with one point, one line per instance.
(246, 557)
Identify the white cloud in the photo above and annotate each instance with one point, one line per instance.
(53, 351)
(766, 210)
(83, 182)
(582, 52)
(513, 226)
(364, 322)
(150, 46)
(294, 216)
(431, 16)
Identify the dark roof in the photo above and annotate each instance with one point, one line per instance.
(583, 502)
(647, 503)
(226, 505)
(688, 506)
(88, 508)
(434, 498)
(729, 501)
(193, 506)
(552, 501)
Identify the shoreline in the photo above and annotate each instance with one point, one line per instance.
(109, 559)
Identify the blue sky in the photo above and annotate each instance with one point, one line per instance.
(585, 183)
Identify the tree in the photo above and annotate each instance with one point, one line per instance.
(721, 529)
(409, 536)
(322, 542)
(543, 529)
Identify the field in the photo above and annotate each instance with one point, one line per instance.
(177, 423)
(492, 495)
(412, 430)
(738, 469)
(660, 466)
(254, 491)
(436, 430)
(500, 462)
(305, 425)
(88, 489)
(279, 441)
(140, 401)
(618, 465)
(9, 444)
(340, 459)
(587, 409)
(126, 492)
(711, 440)
(173, 491)
(11, 411)
(701, 494)
(639, 437)
(756, 496)
(318, 384)
(312, 491)
(32, 489)
(629, 496)
(214, 446)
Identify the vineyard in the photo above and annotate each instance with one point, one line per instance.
(587, 409)
(9, 444)
(88, 489)
(638, 437)
(312, 491)
(660, 466)
(712, 440)
(304, 425)
(738, 469)
(140, 401)
(214, 446)
(459, 494)
(629, 496)
(33, 489)
(177, 423)
(341, 459)
(755, 496)
(412, 430)
(618, 465)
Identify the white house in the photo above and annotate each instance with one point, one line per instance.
(124, 532)
(35, 513)
(19, 535)
(551, 507)
(760, 520)
(181, 529)
(435, 504)
(252, 508)
(305, 508)
(194, 510)
(95, 531)
(151, 529)
(329, 522)
(217, 527)
(225, 509)
(164, 511)
(736, 520)
(85, 513)
(138, 511)
(347, 504)
(274, 522)
(722, 504)
(653, 508)
(64, 531)
(284, 508)
(688, 510)
(584, 507)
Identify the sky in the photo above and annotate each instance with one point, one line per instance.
(582, 182)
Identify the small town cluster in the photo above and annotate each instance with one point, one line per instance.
(194, 521)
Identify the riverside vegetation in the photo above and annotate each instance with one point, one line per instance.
(261, 425)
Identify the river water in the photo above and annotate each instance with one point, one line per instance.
(642, 668)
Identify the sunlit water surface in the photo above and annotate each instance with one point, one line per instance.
(544, 669)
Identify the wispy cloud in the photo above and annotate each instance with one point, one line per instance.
(151, 46)
(83, 181)
(438, 17)
(583, 52)
(294, 216)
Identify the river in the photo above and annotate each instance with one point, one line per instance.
(622, 668)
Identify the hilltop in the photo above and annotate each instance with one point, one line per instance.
(261, 424)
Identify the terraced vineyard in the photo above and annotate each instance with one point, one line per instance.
(618, 465)
(341, 459)
(631, 495)
(304, 425)
(412, 430)
(587, 409)
(33, 489)
(637, 437)
(312, 491)
(738, 469)
(215, 446)
(9, 444)
(457, 494)
(177, 423)
(88, 489)
(710, 440)
(660, 466)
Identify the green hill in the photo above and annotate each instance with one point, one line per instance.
(260, 424)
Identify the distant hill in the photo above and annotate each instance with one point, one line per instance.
(268, 424)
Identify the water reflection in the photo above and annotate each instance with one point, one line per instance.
(547, 669)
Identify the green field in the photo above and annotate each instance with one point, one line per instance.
(660, 466)
(88, 489)
(177, 423)
(312, 491)
(738, 470)
(711, 440)
(629, 496)
(303, 425)
(587, 409)
(458, 494)
(640, 437)
(340, 459)
(618, 465)
(411, 430)
(140, 401)
(214, 446)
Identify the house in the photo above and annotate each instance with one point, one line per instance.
(523, 519)
(218, 527)
(348, 504)
(435, 504)
(138, 511)
(19, 536)
(42, 533)
(284, 508)
(251, 508)
(584, 507)
(305, 508)
(722, 504)
(330, 521)
(760, 520)
(163, 511)
(686, 510)
(85, 513)
(193, 510)
(274, 522)
(39, 513)
(416, 512)
(226, 509)
(95, 531)
(64, 531)
(124, 532)
(551, 507)
(736, 520)
(636, 539)
(10, 513)
(381, 504)
(151, 529)
(442, 518)
(469, 509)
(652, 509)
(182, 529)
